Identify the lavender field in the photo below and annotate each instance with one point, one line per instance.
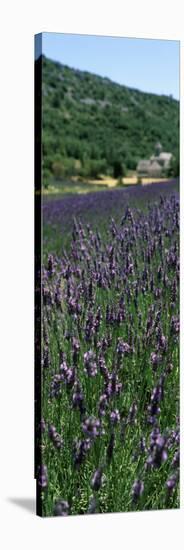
(110, 352)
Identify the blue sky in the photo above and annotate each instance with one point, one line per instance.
(148, 65)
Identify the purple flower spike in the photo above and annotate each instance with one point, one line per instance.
(90, 364)
(176, 460)
(158, 453)
(137, 490)
(42, 476)
(96, 481)
(51, 430)
(50, 265)
(115, 417)
(76, 349)
(61, 508)
(132, 414)
(110, 448)
(103, 403)
(55, 437)
(123, 348)
(155, 359)
(81, 448)
(171, 483)
(78, 398)
(92, 427)
(92, 508)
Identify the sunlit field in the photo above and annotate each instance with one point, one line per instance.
(110, 350)
(76, 185)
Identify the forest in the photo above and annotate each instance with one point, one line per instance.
(93, 126)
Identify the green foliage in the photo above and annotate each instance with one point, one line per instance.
(174, 168)
(46, 175)
(58, 169)
(120, 182)
(91, 119)
(118, 169)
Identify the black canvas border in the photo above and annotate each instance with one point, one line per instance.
(37, 260)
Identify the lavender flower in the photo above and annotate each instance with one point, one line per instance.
(171, 483)
(80, 450)
(78, 398)
(112, 385)
(50, 267)
(61, 508)
(137, 490)
(131, 419)
(158, 453)
(176, 460)
(96, 481)
(155, 360)
(175, 325)
(76, 349)
(55, 437)
(42, 476)
(92, 427)
(55, 386)
(103, 369)
(114, 417)
(103, 403)
(142, 444)
(110, 448)
(92, 508)
(90, 364)
(67, 374)
(156, 397)
(122, 347)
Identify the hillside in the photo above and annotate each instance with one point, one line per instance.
(92, 125)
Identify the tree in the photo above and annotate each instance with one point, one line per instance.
(174, 168)
(118, 169)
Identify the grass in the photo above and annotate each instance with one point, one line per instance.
(77, 186)
(66, 187)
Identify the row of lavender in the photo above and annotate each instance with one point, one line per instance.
(97, 207)
(110, 360)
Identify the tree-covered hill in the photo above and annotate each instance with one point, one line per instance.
(92, 125)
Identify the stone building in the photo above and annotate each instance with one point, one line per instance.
(156, 165)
